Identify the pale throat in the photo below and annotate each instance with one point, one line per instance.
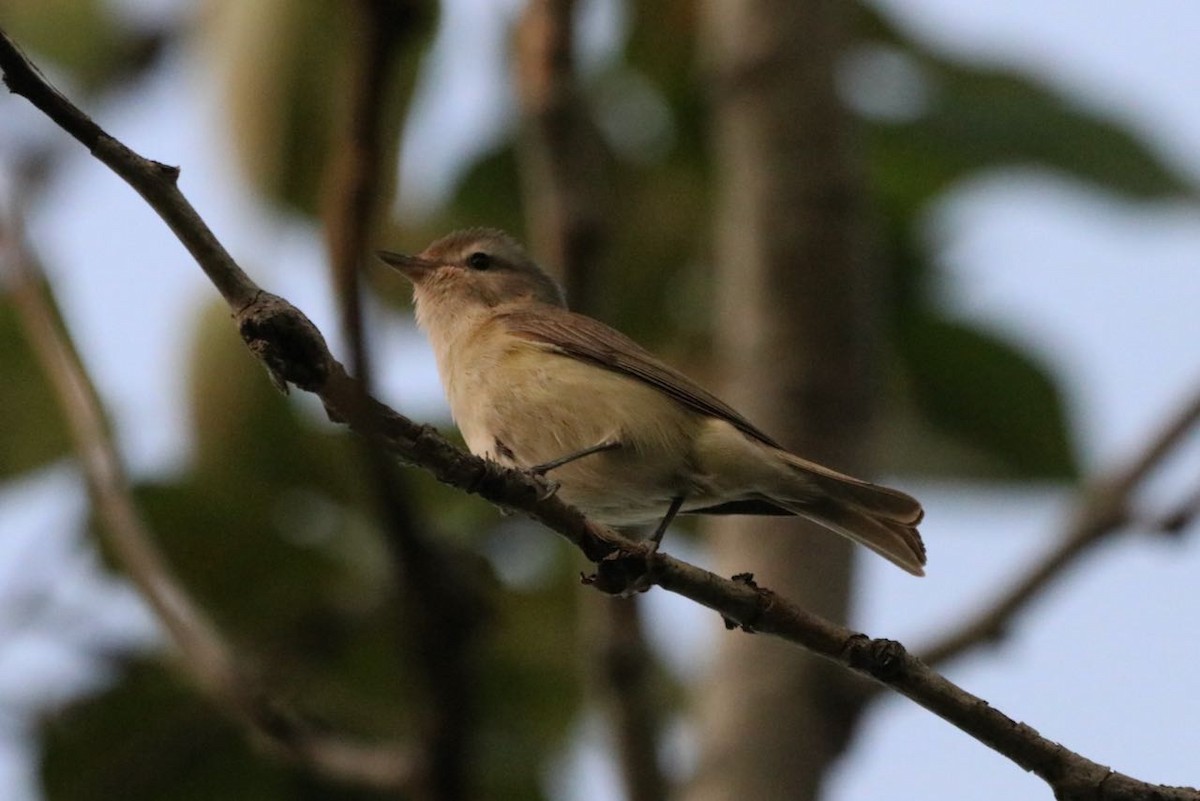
(450, 331)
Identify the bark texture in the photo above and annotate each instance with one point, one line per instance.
(794, 328)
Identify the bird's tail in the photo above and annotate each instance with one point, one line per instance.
(885, 520)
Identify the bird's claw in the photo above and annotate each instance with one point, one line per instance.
(547, 487)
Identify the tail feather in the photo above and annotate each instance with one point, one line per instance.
(899, 544)
(876, 500)
(885, 520)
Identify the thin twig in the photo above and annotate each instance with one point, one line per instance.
(1104, 510)
(1182, 516)
(204, 654)
(294, 351)
(187, 625)
(154, 181)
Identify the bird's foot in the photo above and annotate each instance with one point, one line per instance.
(549, 487)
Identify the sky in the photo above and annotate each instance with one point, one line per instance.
(1103, 291)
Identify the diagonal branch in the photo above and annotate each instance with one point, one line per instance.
(294, 351)
(154, 181)
(203, 652)
(1104, 509)
(1182, 515)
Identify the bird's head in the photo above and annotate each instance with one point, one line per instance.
(473, 269)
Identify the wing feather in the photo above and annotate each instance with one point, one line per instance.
(583, 338)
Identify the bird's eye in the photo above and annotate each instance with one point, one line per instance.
(479, 261)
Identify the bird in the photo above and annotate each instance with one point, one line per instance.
(625, 438)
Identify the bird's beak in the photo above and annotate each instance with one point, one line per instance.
(414, 268)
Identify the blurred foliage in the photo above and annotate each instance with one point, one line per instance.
(84, 40)
(531, 687)
(1010, 410)
(80, 37)
(33, 432)
(152, 737)
(968, 383)
(283, 69)
(270, 525)
(979, 119)
(268, 530)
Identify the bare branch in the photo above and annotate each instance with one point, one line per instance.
(153, 181)
(204, 655)
(1182, 516)
(1104, 510)
(294, 351)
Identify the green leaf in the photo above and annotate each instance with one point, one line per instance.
(988, 395)
(247, 433)
(284, 71)
(33, 431)
(985, 397)
(985, 120)
(80, 36)
(153, 738)
(978, 119)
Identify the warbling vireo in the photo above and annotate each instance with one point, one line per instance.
(630, 440)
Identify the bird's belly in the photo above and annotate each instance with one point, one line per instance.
(548, 406)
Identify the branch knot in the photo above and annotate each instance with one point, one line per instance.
(764, 602)
(625, 571)
(883, 659)
(286, 341)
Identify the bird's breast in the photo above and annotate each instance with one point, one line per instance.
(525, 404)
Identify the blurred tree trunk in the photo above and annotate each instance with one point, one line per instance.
(563, 170)
(795, 339)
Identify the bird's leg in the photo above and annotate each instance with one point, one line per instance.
(546, 467)
(505, 453)
(538, 471)
(672, 510)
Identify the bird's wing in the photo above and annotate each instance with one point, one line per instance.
(592, 341)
